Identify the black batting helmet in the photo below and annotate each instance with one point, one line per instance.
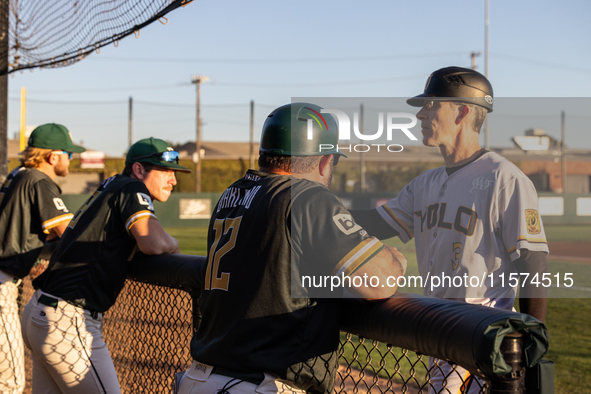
(456, 84)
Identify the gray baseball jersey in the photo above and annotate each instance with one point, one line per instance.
(469, 227)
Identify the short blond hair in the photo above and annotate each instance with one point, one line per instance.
(33, 157)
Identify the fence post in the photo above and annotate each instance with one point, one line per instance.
(513, 382)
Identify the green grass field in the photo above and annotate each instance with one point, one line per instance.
(568, 319)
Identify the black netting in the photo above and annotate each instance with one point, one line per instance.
(149, 328)
(55, 33)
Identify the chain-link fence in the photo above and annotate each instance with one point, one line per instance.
(149, 328)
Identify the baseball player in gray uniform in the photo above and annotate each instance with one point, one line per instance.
(475, 221)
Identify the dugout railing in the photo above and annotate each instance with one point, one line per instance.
(384, 347)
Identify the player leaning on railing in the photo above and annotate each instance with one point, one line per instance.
(62, 323)
(261, 329)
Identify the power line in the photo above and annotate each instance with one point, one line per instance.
(239, 84)
(273, 106)
(315, 84)
(136, 102)
(124, 89)
(542, 63)
(78, 102)
(529, 116)
(190, 105)
(274, 60)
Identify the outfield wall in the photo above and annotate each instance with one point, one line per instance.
(181, 209)
(194, 210)
(554, 208)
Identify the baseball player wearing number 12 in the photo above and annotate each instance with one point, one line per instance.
(475, 217)
(263, 329)
(62, 324)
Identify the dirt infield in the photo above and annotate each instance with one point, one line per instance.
(579, 252)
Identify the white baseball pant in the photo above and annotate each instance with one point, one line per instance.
(67, 347)
(446, 378)
(12, 355)
(199, 379)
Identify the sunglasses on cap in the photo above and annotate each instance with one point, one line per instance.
(63, 152)
(170, 156)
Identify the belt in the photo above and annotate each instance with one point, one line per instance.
(52, 302)
(250, 377)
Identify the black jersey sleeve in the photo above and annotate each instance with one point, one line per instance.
(373, 223)
(327, 238)
(135, 203)
(51, 208)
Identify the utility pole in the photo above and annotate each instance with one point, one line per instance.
(563, 127)
(473, 58)
(486, 23)
(251, 135)
(3, 89)
(130, 125)
(198, 80)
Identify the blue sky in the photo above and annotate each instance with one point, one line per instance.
(271, 51)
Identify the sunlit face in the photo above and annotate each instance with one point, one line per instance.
(159, 182)
(62, 166)
(438, 123)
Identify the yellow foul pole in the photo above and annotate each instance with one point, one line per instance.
(23, 141)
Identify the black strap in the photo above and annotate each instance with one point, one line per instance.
(49, 301)
(52, 302)
(225, 389)
(250, 377)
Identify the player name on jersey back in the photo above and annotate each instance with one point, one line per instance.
(234, 196)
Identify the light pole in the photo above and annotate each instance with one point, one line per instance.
(486, 23)
(4, 45)
(198, 80)
(251, 155)
(362, 168)
(130, 123)
(473, 57)
(563, 143)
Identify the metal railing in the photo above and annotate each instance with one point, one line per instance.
(149, 328)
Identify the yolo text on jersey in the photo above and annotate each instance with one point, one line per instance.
(434, 216)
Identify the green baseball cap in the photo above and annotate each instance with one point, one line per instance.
(53, 136)
(154, 151)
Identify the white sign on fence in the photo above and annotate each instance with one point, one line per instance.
(583, 206)
(551, 206)
(195, 208)
(92, 159)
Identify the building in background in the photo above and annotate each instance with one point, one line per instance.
(543, 166)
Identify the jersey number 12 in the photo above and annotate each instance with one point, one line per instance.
(213, 278)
